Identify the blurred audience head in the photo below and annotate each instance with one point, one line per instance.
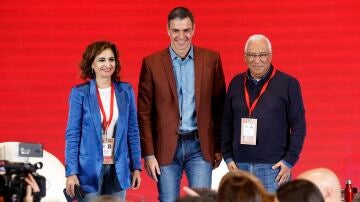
(107, 198)
(356, 197)
(299, 190)
(239, 186)
(198, 195)
(193, 199)
(326, 180)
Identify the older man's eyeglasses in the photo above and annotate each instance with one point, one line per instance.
(262, 56)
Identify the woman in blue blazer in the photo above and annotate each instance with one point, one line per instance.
(102, 152)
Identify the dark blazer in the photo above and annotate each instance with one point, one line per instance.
(83, 153)
(158, 110)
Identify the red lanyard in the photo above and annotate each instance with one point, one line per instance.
(106, 123)
(247, 97)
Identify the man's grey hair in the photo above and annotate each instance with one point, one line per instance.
(257, 37)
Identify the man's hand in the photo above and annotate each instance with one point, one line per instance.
(284, 173)
(218, 158)
(31, 187)
(152, 168)
(190, 192)
(32, 182)
(70, 184)
(232, 166)
(136, 179)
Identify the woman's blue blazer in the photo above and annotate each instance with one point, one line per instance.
(83, 147)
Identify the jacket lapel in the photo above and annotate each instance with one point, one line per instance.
(199, 63)
(94, 108)
(168, 68)
(122, 108)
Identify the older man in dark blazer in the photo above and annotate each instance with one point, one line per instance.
(180, 102)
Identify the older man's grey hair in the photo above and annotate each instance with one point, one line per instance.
(257, 37)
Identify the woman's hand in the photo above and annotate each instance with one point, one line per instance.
(136, 179)
(70, 184)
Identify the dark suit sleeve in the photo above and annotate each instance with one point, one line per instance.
(133, 134)
(218, 98)
(296, 118)
(73, 132)
(227, 126)
(145, 110)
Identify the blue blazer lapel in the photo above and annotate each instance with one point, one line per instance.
(122, 119)
(95, 109)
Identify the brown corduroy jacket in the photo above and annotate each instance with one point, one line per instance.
(158, 110)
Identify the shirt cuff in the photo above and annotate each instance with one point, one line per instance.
(287, 164)
(149, 157)
(228, 160)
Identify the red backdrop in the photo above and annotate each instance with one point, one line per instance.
(41, 43)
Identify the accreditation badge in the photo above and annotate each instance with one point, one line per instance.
(108, 150)
(248, 131)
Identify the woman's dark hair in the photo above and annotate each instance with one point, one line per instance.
(192, 199)
(206, 193)
(89, 55)
(239, 186)
(300, 191)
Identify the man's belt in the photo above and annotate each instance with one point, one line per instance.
(189, 135)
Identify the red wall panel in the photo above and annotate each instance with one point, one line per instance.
(41, 43)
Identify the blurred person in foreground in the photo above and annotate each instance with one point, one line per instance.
(198, 194)
(299, 190)
(239, 186)
(107, 198)
(326, 180)
(180, 102)
(193, 199)
(102, 152)
(357, 197)
(263, 125)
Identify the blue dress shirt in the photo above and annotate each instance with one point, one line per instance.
(185, 84)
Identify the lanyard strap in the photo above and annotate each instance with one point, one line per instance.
(247, 97)
(105, 123)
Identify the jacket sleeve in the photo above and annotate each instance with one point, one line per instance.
(145, 107)
(227, 126)
(73, 133)
(296, 118)
(133, 134)
(218, 98)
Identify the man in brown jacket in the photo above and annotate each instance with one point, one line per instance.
(180, 103)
